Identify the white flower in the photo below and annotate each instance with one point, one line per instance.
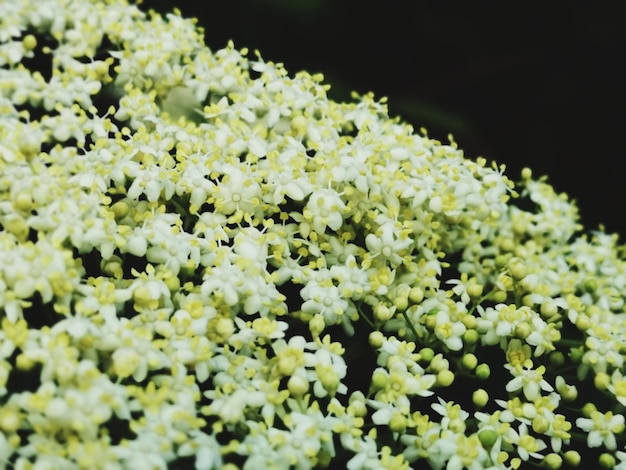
(389, 243)
(225, 280)
(237, 192)
(602, 428)
(528, 379)
(324, 208)
(527, 445)
(326, 299)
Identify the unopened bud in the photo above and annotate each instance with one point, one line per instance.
(480, 398)
(483, 371)
(552, 461)
(606, 461)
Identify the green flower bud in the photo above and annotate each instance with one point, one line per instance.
(471, 337)
(427, 354)
(475, 291)
(602, 380)
(501, 261)
(23, 202)
(376, 339)
(379, 379)
(548, 309)
(445, 378)
(576, 355)
(480, 398)
(540, 424)
(588, 409)
(416, 295)
(606, 461)
(499, 296)
(488, 437)
(469, 361)
(398, 422)
(572, 458)
(384, 313)
(483, 371)
(517, 268)
(522, 330)
(552, 461)
(317, 325)
(557, 358)
(29, 42)
(401, 303)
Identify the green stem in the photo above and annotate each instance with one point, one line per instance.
(410, 324)
(480, 301)
(364, 317)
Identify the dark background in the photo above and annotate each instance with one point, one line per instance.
(537, 84)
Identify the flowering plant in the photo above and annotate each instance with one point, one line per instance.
(206, 262)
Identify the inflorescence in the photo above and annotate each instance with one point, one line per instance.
(206, 261)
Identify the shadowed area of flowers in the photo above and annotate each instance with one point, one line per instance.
(205, 261)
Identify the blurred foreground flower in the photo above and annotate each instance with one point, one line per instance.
(205, 261)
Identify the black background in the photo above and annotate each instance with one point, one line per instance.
(537, 84)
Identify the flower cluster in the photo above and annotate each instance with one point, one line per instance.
(205, 261)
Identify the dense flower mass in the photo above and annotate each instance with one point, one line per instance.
(205, 261)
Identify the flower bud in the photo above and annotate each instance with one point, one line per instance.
(398, 422)
(24, 362)
(601, 380)
(401, 303)
(557, 358)
(606, 461)
(552, 461)
(469, 361)
(445, 378)
(480, 398)
(517, 268)
(384, 313)
(471, 337)
(588, 409)
(501, 261)
(23, 202)
(475, 291)
(29, 42)
(483, 371)
(522, 330)
(299, 124)
(297, 385)
(427, 354)
(572, 458)
(376, 339)
(120, 210)
(583, 322)
(10, 420)
(439, 363)
(548, 309)
(17, 226)
(499, 296)
(416, 295)
(576, 355)
(488, 437)
(317, 325)
(540, 424)
(379, 379)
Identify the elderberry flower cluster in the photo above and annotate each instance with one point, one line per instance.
(206, 262)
